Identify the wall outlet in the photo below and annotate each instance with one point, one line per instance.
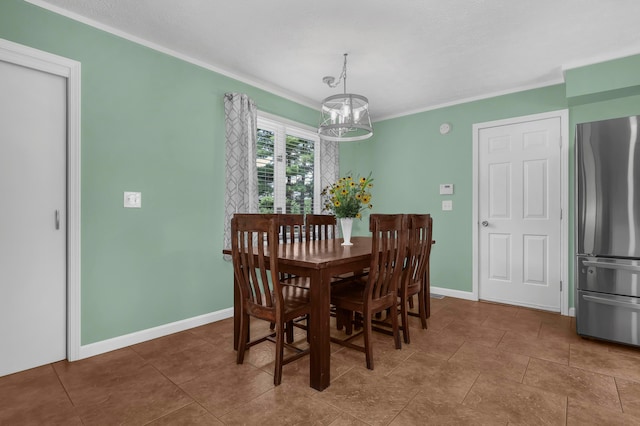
(447, 205)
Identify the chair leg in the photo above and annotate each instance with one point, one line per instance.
(339, 324)
(357, 321)
(289, 331)
(343, 318)
(404, 313)
(411, 302)
(277, 375)
(244, 335)
(368, 347)
(348, 322)
(394, 324)
(422, 309)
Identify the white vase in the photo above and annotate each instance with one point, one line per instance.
(346, 223)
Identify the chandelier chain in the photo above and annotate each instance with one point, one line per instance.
(342, 78)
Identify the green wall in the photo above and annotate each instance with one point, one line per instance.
(155, 124)
(410, 159)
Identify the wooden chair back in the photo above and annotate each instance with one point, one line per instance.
(419, 250)
(291, 227)
(320, 227)
(416, 270)
(253, 237)
(389, 240)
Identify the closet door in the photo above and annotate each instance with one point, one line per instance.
(33, 281)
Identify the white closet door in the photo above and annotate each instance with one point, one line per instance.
(33, 289)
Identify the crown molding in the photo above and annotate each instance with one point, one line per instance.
(259, 84)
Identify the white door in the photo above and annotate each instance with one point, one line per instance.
(519, 212)
(33, 291)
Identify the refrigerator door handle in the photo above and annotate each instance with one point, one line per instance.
(608, 265)
(611, 302)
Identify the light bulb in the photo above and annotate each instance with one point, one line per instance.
(346, 110)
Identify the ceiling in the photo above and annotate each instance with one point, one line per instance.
(406, 56)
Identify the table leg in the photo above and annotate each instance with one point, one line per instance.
(319, 337)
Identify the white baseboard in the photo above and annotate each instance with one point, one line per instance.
(453, 293)
(119, 342)
(469, 296)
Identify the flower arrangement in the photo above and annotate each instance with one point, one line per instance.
(348, 196)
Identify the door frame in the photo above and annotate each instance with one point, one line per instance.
(57, 65)
(564, 197)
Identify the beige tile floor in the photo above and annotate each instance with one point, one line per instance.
(478, 363)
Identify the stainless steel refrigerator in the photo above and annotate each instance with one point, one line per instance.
(608, 230)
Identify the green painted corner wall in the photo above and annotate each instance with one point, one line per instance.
(409, 159)
(604, 80)
(155, 124)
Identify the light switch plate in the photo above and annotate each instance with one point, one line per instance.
(447, 205)
(133, 200)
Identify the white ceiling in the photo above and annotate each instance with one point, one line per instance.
(404, 55)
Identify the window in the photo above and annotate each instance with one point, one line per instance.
(286, 156)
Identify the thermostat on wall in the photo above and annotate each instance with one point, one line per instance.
(446, 188)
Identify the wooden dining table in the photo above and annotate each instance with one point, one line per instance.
(319, 260)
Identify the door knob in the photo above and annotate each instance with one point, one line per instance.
(485, 223)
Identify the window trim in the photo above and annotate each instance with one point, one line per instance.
(283, 126)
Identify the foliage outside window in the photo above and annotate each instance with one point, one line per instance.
(285, 159)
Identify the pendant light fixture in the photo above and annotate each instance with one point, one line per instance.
(344, 117)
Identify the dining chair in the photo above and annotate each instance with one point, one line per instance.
(380, 291)
(291, 229)
(291, 226)
(320, 227)
(415, 272)
(254, 242)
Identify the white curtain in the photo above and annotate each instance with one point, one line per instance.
(241, 192)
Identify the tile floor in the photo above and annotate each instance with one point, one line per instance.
(478, 363)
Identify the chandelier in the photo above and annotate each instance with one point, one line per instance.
(344, 117)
